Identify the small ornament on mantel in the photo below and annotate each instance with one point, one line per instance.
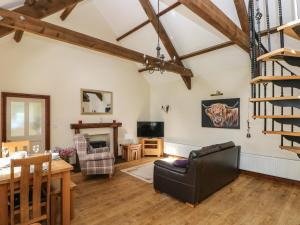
(80, 121)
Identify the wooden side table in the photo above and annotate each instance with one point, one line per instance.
(131, 151)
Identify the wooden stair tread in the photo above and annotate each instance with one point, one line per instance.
(263, 79)
(275, 99)
(288, 29)
(291, 149)
(286, 133)
(277, 117)
(273, 55)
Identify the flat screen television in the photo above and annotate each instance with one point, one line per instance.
(150, 129)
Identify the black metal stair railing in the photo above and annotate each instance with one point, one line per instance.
(259, 68)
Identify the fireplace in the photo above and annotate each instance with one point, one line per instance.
(114, 126)
(99, 140)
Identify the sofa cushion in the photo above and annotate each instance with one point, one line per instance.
(226, 145)
(210, 149)
(182, 163)
(203, 151)
(170, 166)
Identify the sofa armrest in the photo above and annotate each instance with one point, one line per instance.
(169, 166)
(99, 156)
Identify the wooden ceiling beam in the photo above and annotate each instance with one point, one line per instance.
(67, 11)
(136, 28)
(207, 50)
(146, 4)
(273, 30)
(209, 12)
(242, 14)
(39, 9)
(25, 23)
(18, 35)
(29, 2)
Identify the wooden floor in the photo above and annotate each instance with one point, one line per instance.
(125, 200)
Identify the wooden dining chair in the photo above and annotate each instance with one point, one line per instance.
(15, 146)
(31, 185)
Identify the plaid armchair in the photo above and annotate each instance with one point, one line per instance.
(93, 160)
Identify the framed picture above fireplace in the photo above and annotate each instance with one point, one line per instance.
(221, 113)
(95, 102)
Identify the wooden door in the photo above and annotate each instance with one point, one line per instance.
(26, 117)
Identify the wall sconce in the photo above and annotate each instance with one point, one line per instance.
(218, 93)
(165, 108)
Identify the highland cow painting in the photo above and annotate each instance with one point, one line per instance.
(222, 113)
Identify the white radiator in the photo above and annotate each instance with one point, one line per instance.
(279, 167)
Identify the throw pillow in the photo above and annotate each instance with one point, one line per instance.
(182, 163)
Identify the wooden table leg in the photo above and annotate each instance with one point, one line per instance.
(66, 199)
(3, 204)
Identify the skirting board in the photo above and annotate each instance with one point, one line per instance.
(269, 177)
(278, 167)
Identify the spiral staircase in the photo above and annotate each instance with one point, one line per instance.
(273, 84)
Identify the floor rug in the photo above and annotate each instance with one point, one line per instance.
(143, 172)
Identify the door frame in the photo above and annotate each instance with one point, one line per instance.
(5, 95)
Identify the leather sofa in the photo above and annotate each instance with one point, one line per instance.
(208, 170)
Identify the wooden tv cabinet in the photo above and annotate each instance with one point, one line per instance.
(152, 146)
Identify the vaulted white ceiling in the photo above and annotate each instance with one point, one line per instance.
(187, 31)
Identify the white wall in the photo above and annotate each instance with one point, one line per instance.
(42, 66)
(228, 72)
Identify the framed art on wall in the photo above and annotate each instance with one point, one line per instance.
(221, 113)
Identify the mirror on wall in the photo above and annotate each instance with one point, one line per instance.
(96, 102)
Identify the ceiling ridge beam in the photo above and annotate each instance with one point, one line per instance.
(163, 35)
(39, 10)
(25, 23)
(242, 14)
(141, 25)
(209, 12)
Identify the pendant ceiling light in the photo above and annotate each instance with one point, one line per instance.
(159, 64)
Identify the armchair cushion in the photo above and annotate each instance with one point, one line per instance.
(92, 150)
(169, 166)
(105, 166)
(99, 161)
(99, 156)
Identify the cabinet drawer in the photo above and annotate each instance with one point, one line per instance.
(151, 152)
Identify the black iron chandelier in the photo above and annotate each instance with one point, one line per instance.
(160, 62)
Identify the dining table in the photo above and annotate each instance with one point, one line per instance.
(60, 170)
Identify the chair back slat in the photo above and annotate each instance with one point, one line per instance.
(36, 196)
(24, 193)
(30, 183)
